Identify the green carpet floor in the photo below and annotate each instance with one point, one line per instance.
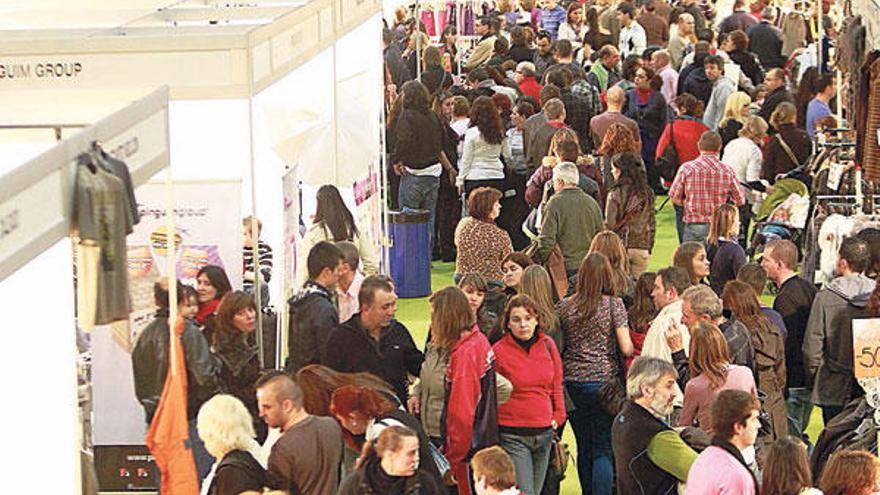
(416, 315)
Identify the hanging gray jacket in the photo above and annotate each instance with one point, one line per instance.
(828, 341)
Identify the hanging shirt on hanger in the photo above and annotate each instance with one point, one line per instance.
(101, 218)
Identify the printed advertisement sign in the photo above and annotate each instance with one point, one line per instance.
(207, 230)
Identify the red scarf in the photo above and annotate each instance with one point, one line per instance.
(644, 94)
(206, 310)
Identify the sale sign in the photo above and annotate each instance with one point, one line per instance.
(866, 347)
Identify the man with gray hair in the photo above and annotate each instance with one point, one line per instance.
(528, 83)
(700, 303)
(571, 219)
(307, 457)
(650, 457)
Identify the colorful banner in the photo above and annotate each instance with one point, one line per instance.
(207, 230)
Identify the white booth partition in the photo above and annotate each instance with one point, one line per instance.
(270, 94)
(39, 358)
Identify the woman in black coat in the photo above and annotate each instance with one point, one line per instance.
(737, 48)
(390, 466)
(646, 105)
(235, 346)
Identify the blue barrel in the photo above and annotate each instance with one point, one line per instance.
(410, 254)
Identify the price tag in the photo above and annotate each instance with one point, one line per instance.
(866, 347)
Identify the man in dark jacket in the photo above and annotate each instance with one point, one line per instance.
(828, 341)
(740, 19)
(765, 40)
(149, 361)
(650, 457)
(776, 94)
(394, 60)
(373, 341)
(313, 313)
(697, 82)
(793, 302)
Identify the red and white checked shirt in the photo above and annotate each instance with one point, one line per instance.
(701, 185)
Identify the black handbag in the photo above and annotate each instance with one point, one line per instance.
(667, 163)
(612, 396)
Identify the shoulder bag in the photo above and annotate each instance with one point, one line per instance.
(612, 395)
(667, 163)
(559, 453)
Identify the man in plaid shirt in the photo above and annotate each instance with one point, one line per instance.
(701, 185)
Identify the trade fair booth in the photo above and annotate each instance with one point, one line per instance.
(265, 100)
(39, 357)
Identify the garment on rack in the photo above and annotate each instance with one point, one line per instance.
(861, 88)
(101, 218)
(834, 229)
(428, 21)
(120, 170)
(794, 32)
(871, 157)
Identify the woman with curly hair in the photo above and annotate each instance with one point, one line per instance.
(618, 139)
(484, 145)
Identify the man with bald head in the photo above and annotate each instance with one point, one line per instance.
(679, 45)
(307, 457)
(663, 67)
(599, 124)
(777, 92)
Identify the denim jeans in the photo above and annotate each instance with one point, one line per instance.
(679, 221)
(420, 193)
(592, 430)
(531, 455)
(799, 410)
(695, 232)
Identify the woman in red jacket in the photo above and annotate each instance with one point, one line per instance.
(470, 412)
(685, 131)
(530, 360)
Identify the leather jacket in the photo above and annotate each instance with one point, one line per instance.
(149, 361)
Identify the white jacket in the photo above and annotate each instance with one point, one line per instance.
(481, 160)
(655, 340)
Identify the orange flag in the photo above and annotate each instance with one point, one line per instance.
(168, 436)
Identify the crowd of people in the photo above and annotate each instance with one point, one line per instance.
(540, 154)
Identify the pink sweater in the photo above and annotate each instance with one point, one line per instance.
(698, 396)
(715, 472)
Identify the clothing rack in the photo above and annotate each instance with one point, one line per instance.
(36, 198)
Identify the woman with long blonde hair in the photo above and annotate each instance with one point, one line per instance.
(711, 372)
(736, 111)
(725, 255)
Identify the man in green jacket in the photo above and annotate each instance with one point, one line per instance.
(571, 219)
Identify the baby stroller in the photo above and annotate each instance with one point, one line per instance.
(782, 215)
